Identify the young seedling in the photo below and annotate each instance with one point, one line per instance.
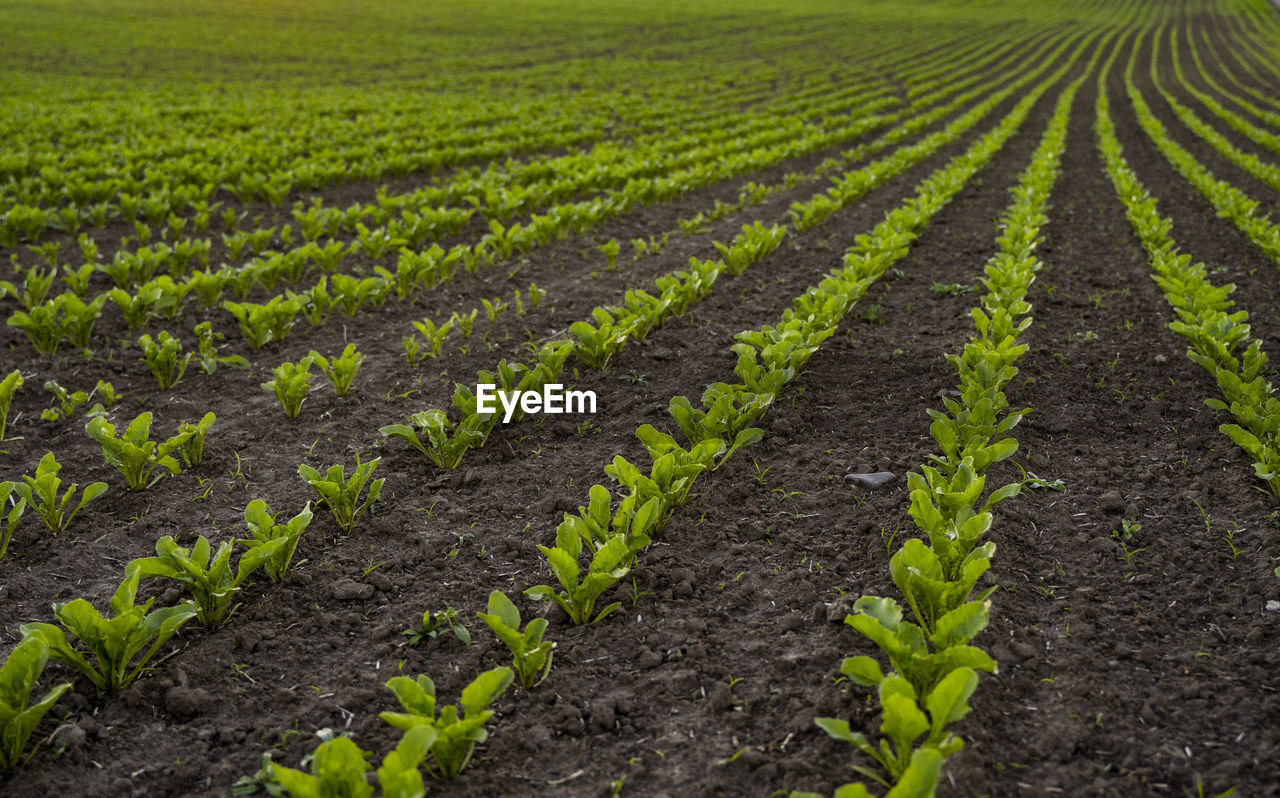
(290, 383)
(456, 737)
(120, 645)
(18, 717)
(1230, 539)
(445, 443)
(8, 387)
(464, 323)
(41, 493)
(341, 370)
(192, 452)
(532, 655)
(282, 539)
(433, 336)
(207, 574)
(904, 721)
(209, 357)
(107, 392)
(609, 563)
(536, 294)
(9, 522)
(342, 495)
(134, 454)
(161, 357)
(68, 401)
(493, 309)
(610, 249)
(436, 623)
(339, 770)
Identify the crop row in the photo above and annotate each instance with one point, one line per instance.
(610, 534)
(91, 179)
(782, 350)
(934, 667)
(1219, 339)
(445, 441)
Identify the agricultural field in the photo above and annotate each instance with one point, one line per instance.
(920, 434)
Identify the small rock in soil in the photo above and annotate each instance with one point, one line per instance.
(1273, 606)
(648, 658)
(684, 682)
(1111, 502)
(187, 702)
(602, 717)
(819, 613)
(69, 737)
(721, 697)
(839, 608)
(350, 590)
(1023, 651)
(871, 481)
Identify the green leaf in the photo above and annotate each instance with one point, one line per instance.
(948, 702)
(862, 670)
(485, 689)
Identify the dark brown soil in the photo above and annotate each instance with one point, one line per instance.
(1137, 675)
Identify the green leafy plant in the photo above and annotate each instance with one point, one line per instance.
(532, 655)
(464, 323)
(19, 717)
(120, 645)
(610, 249)
(8, 387)
(10, 521)
(493, 309)
(261, 324)
(905, 719)
(1128, 528)
(432, 335)
(609, 563)
(536, 294)
(134, 454)
(445, 443)
(41, 493)
(351, 293)
(339, 769)
(209, 357)
(206, 573)
(40, 324)
(108, 393)
(290, 383)
(161, 357)
(192, 452)
(342, 495)
(138, 308)
(341, 370)
(458, 728)
(434, 624)
(951, 289)
(281, 539)
(68, 401)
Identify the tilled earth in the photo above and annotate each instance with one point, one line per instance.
(1127, 667)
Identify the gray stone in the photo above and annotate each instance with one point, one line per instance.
(350, 590)
(186, 702)
(871, 481)
(1273, 606)
(1111, 502)
(69, 737)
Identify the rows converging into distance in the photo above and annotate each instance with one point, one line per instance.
(923, 347)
